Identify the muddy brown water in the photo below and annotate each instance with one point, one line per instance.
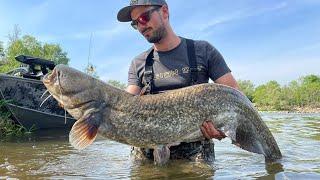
(48, 155)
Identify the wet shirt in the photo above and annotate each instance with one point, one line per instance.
(171, 68)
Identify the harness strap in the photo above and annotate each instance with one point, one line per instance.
(148, 69)
(148, 73)
(192, 62)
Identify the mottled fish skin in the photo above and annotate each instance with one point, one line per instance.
(155, 120)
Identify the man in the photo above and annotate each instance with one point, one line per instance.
(173, 62)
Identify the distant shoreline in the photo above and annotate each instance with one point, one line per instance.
(293, 111)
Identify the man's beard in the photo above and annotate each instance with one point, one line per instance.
(157, 35)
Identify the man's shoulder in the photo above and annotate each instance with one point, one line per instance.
(201, 44)
(142, 56)
(139, 61)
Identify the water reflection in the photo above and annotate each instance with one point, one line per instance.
(173, 170)
(272, 169)
(48, 154)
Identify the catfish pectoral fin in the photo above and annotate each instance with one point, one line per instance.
(161, 154)
(85, 130)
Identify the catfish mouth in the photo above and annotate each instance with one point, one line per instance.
(53, 83)
(51, 77)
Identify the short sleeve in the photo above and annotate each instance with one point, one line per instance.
(133, 78)
(217, 66)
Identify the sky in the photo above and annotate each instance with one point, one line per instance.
(261, 40)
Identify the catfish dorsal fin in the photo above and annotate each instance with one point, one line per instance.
(85, 130)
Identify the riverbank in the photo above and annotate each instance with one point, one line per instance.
(294, 110)
(8, 128)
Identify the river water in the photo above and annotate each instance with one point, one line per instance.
(48, 155)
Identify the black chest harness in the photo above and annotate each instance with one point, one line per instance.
(149, 74)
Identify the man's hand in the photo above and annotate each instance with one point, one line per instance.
(209, 131)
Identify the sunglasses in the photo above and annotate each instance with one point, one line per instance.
(144, 18)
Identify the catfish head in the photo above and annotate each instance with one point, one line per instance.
(83, 97)
(75, 90)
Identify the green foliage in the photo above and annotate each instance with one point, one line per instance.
(7, 126)
(302, 93)
(310, 79)
(268, 95)
(55, 53)
(1, 48)
(309, 91)
(1, 53)
(28, 45)
(247, 88)
(117, 84)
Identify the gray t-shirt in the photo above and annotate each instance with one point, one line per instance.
(171, 68)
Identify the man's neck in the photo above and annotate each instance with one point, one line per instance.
(168, 43)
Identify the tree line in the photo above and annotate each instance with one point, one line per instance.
(30, 46)
(301, 93)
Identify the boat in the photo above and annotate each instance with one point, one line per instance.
(24, 93)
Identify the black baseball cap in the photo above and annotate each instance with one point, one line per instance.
(124, 15)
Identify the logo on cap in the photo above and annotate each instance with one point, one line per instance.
(133, 2)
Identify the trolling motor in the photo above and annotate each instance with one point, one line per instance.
(33, 62)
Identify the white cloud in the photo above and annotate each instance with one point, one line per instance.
(241, 14)
(194, 25)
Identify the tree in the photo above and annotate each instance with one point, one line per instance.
(28, 45)
(291, 94)
(55, 53)
(303, 93)
(1, 52)
(1, 47)
(247, 87)
(268, 95)
(310, 79)
(15, 34)
(310, 91)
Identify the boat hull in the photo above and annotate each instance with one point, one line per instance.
(24, 96)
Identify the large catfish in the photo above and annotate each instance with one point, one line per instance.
(157, 121)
